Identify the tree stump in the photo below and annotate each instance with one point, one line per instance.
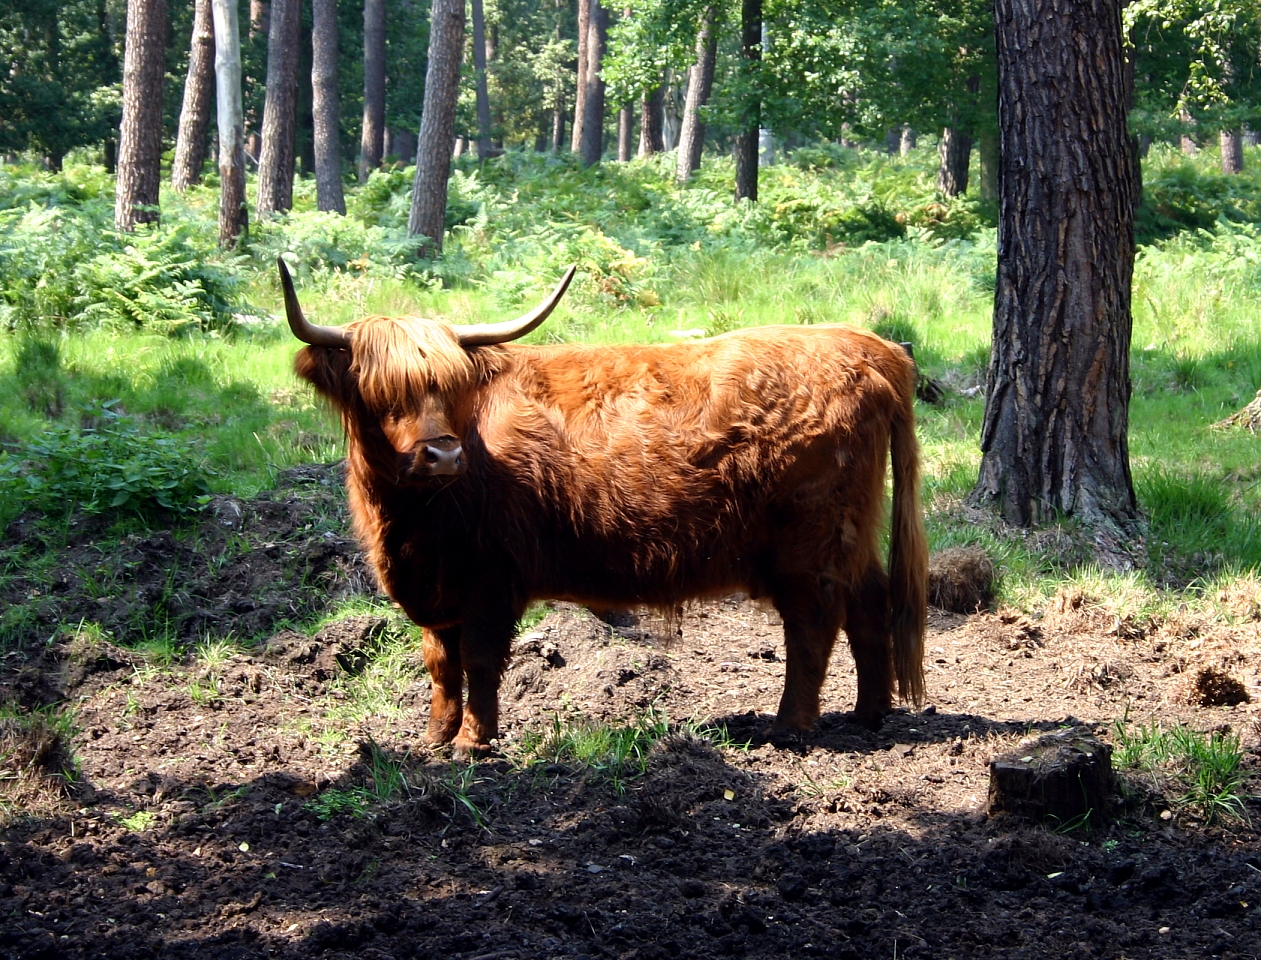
(1063, 777)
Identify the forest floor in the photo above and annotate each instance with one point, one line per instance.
(279, 800)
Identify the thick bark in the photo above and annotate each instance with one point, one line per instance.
(233, 212)
(955, 153)
(987, 149)
(751, 115)
(275, 163)
(700, 80)
(625, 133)
(592, 139)
(580, 91)
(1054, 438)
(1232, 151)
(190, 145)
(650, 141)
(371, 142)
(484, 148)
(140, 137)
(324, 106)
(437, 125)
(906, 140)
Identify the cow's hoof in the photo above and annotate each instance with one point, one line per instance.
(871, 719)
(470, 749)
(436, 736)
(785, 736)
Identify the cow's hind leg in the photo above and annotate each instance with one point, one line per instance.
(867, 624)
(441, 649)
(812, 610)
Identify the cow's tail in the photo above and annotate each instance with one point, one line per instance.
(908, 550)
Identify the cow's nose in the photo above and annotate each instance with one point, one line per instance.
(443, 457)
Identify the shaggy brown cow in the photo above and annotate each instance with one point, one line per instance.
(484, 476)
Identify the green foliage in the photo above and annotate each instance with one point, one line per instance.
(1206, 767)
(110, 465)
(609, 753)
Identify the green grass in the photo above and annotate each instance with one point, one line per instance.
(612, 753)
(1202, 770)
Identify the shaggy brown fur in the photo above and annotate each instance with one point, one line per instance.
(619, 476)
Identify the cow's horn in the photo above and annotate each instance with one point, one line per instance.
(484, 334)
(304, 330)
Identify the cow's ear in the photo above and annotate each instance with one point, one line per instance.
(328, 371)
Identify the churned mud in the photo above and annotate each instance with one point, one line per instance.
(278, 799)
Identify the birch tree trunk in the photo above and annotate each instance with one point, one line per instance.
(372, 141)
(699, 84)
(1054, 438)
(233, 212)
(140, 137)
(324, 107)
(592, 141)
(190, 144)
(275, 164)
(437, 126)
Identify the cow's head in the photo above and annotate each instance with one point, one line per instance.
(404, 386)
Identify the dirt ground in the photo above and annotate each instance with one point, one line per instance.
(203, 821)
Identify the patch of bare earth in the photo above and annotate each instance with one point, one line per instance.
(190, 830)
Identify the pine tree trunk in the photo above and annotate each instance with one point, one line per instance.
(190, 146)
(700, 80)
(1232, 151)
(324, 106)
(233, 212)
(484, 148)
(405, 146)
(371, 142)
(140, 138)
(580, 91)
(1054, 438)
(625, 133)
(751, 116)
(650, 121)
(987, 148)
(260, 24)
(275, 164)
(437, 126)
(955, 153)
(592, 143)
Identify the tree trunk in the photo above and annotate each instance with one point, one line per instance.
(484, 150)
(580, 91)
(955, 152)
(1250, 137)
(190, 145)
(371, 142)
(275, 164)
(650, 121)
(558, 125)
(751, 115)
(1232, 151)
(437, 126)
(260, 23)
(700, 80)
(405, 146)
(1189, 147)
(987, 147)
(592, 142)
(140, 137)
(765, 140)
(625, 133)
(906, 141)
(324, 106)
(1054, 438)
(233, 213)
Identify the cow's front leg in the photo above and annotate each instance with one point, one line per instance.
(446, 672)
(485, 646)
